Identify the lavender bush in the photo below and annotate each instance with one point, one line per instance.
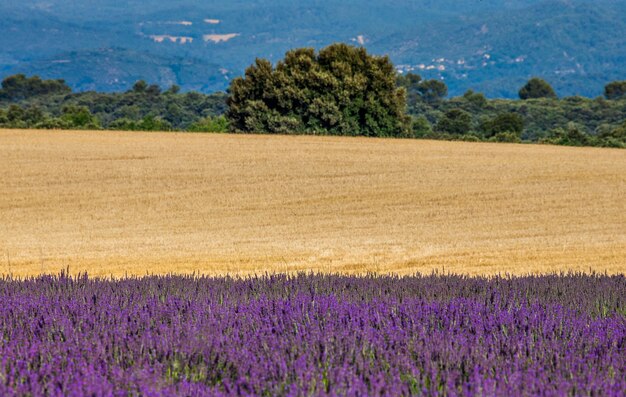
(314, 335)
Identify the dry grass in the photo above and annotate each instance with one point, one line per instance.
(117, 203)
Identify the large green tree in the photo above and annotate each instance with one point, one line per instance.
(341, 90)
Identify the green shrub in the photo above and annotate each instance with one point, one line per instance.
(79, 117)
(618, 133)
(210, 124)
(511, 137)
(469, 138)
(572, 135)
(504, 123)
(420, 127)
(454, 122)
(53, 123)
(148, 123)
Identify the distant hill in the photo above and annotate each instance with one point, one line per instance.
(490, 46)
(578, 47)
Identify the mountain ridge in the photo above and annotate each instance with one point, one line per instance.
(487, 46)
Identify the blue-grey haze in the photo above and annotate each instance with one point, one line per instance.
(491, 46)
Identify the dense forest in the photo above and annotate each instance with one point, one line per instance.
(541, 117)
(30, 102)
(342, 90)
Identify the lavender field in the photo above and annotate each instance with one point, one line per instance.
(314, 335)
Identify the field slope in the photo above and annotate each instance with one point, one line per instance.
(135, 203)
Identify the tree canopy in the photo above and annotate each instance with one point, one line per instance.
(537, 88)
(505, 122)
(454, 122)
(615, 90)
(19, 87)
(341, 90)
(430, 91)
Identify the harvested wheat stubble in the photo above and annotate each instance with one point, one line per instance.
(115, 203)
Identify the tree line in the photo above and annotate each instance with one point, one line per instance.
(340, 90)
(30, 102)
(538, 116)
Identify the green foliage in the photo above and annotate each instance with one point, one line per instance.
(418, 90)
(504, 123)
(543, 119)
(173, 90)
(18, 117)
(148, 123)
(19, 87)
(620, 132)
(510, 137)
(454, 122)
(140, 87)
(71, 117)
(476, 100)
(14, 117)
(615, 90)
(53, 123)
(613, 137)
(421, 127)
(568, 121)
(411, 83)
(572, 135)
(210, 124)
(177, 110)
(536, 88)
(340, 91)
(433, 91)
(79, 117)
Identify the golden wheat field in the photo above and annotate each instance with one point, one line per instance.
(117, 203)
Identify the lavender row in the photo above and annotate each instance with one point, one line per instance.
(314, 335)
